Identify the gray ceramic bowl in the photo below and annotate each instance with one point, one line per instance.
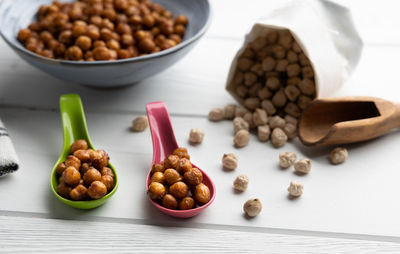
(18, 14)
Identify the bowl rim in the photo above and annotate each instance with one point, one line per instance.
(163, 53)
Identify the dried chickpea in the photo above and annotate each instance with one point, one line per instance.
(264, 93)
(240, 124)
(277, 122)
(278, 52)
(303, 166)
(79, 193)
(338, 155)
(140, 123)
(279, 99)
(186, 203)
(196, 136)
(63, 190)
(252, 207)
(184, 165)
(72, 161)
(179, 190)
(242, 138)
(293, 70)
(292, 92)
(242, 91)
(241, 111)
(260, 117)
(193, 177)
(216, 114)
(292, 109)
(268, 64)
(108, 181)
(292, 57)
(229, 161)
(291, 119)
(229, 111)
(303, 101)
(181, 152)
(244, 64)
(307, 86)
(169, 201)
(60, 168)
(250, 78)
(172, 176)
(202, 194)
(156, 190)
(241, 182)
(278, 137)
(91, 175)
(281, 65)
(71, 176)
(287, 159)
(97, 190)
(158, 177)
(157, 168)
(268, 106)
(263, 133)
(290, 130)
(252, 103)
(295, 189)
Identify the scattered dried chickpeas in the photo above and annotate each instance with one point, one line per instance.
(74, 30)
(338, 155)
(229, 161)
(176, 184)
(241, 182)
(80, 177)
(287, 159)
(196, 136)
(303, 166)
(140, 123)
(295, 189)
(252, 207)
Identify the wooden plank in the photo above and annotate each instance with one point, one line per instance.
(353, 198)
(21, 235)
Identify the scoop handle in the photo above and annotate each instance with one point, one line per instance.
(73, 120)
(162, 133)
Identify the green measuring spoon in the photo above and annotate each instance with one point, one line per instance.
(74, 128)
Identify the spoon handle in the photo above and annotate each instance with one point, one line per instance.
(73, 120)
(164, 141)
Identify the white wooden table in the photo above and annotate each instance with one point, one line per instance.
(349, 208)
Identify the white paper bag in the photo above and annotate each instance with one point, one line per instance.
(326, 34)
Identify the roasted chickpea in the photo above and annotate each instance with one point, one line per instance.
(84, 42)
(101, 53)
(79, 193)
(123, 54)
(169, 201)
(123, 28)
(65, 37)
(60, 168)
(149, 21)
(46, 36)
(114, 54)
(106, 23)
(85, 167)
(63, 190)
(98, 43)
(181, 20)
(193, 177)
(108, 181)
(107, 171)
(186, 203)
(88, 55)
(109, 14)
(171, 161)
(72, 161)
(183, 166)
(79, 29)
(91, 175)
(113, 44)
(74, 53)
(179, 30)
(176, 38)
(172, 176)
(202, 194)
(127, 40)
(146, 45)
(71, 176)
(179, 190)
(158, 177)
(156, 190)
(96, 20)
(181, 152)
(106, 34)
(157, 168)
(60, 50)
(24, 35)
(82, 155)
(97, 190)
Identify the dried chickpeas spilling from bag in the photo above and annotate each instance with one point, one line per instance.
(274, 80)
(84, 175)
(94, 30)
(176, 184)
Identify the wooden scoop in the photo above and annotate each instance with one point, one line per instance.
(334, 121)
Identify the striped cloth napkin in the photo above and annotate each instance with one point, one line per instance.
(8, 157)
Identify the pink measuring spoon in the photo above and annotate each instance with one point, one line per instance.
(164, 143)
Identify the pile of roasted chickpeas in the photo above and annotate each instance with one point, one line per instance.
(94, 30)
(84, 175)
(176, 184)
